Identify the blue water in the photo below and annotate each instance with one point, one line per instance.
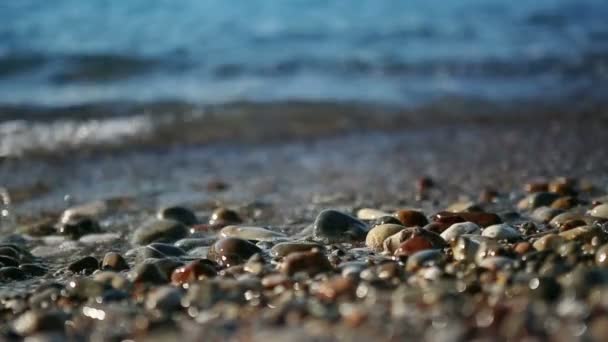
(65, 52)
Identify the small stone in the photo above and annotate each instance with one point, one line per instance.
(179, 214)
(147, 273)
(458, 229)
(33, 270)
(480, 218)
(522, 248)
(537, 199)
(488, 195)
(10, 273)
(601, 256)
(159, 231)
(600, 211)
(193, 271)
(112, 279)
(562, 187)
(39, 321)
(417, 240)
(85, 265)
(232, 251)
(572, 224)
(428, 257)
(165, 299)
(311, 262)
(411, 218)
(224, 216)
(76, 227)
(250, 233)
(548, 242)
(501, 231)
(376, 236)
(115, 262)
(283, 249)
(558, 220)
(334, 226)
(369, 214)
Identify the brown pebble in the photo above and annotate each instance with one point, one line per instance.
(522, 248)
(224, 215)
(275, 279)
(480, 218)
(571, 224)
(412, 245)
(411, 218)
(311, 262)
(536, 186)
(565, 203)
(114, 261)
(336, 287)
(232, 251)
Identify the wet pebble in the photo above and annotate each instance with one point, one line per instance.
(601, 256)
(85, 265)
(600, 211)
(428, 257)
(311, 262)
(283, 249)
(179, 214)
(76, 227)
(33, 270)
(376, 236)
(232, 251)
(545, 214)
(501, 232)
(193, 271)
(411, 218)
(114, 261)
(224, 216)
(191, 243)
(334, 226)
(159, 231)
(39, 228)
(548, 242)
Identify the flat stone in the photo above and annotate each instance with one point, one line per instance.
(501, 231)
(282, 249)
(191, 243)
(159, 231)
(250, 233)
(334, 226)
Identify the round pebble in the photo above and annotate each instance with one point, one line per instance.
(232, 251)
(458, 229)
(179, 214)
(114, 261)
(376, 236)
(86, 265)
(250, 233)
(334, 226)
(501, 231)
(411, 218)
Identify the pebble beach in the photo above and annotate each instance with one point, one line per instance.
(470, 231)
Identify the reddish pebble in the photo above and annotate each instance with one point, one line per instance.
(311, 262)
(411, 218)
(193, 271)
(523, 248)
(336, 287)
(412, 245)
